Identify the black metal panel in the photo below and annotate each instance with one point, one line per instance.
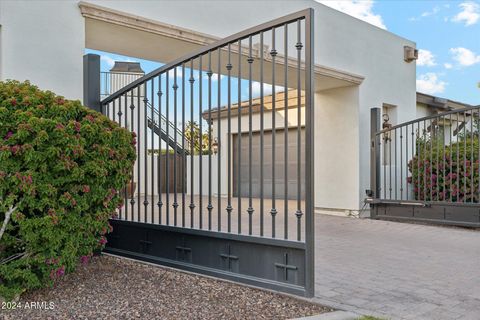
(444, 214)
(271, 263)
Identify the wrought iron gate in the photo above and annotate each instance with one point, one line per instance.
(186, 107)
(427, 169)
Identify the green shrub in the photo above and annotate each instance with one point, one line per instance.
(61, 165)
(449, 173)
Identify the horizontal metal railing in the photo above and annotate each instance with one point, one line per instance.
(434, 159)
(112, 81)
(189, 94)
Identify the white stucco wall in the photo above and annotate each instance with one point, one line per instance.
(44, 41)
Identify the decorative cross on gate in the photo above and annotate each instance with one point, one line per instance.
(229, 257)
(145, 244)
(182, 251)
(285, 266)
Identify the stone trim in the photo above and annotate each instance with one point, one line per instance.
(96, 12)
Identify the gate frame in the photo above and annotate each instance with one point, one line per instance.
(433, 212)
(301, 252)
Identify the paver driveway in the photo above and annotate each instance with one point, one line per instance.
(398, 270)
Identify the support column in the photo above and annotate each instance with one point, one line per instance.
(91, 81)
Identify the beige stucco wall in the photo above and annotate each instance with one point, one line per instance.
(337, 153)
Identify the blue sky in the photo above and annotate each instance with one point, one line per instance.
(447, 34)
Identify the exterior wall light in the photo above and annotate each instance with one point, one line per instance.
(386, 125)
(215, 146)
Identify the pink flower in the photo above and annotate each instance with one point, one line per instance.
(60, 271)
(9, 135)
(84, 259)
(102, 241)
(14, 149)
(86, 188)
(59, 126)
(77, 126)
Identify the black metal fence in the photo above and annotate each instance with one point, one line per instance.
(172, 111)
(428, 169)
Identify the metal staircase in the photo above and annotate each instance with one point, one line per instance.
(167, 131)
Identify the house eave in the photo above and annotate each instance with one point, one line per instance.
(123, 19)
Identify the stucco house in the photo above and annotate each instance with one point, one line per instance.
(341, 71)
(358, 67)
(426, 105)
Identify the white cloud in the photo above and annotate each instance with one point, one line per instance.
(434, 11)
(430, 84)
(360, 9)
(448, 65)
(470, 13)
(425, 14)
(464, 56)
(108, 61)
(425, 58)
(267, 89)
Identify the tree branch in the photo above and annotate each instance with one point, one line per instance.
(7, 219)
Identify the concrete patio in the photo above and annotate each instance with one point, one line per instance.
(397, 270)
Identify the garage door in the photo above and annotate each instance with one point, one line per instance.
(267, 164)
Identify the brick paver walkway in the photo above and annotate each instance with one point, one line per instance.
(398, 270)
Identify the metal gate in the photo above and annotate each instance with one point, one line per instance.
(427, 170)
(258, 240)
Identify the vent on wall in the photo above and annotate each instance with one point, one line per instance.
(410, 54)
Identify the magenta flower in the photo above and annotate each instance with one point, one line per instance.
(9, 135)
(77, 126)
(84, 259)
(60, 271)
(102, 241)
(14, 149)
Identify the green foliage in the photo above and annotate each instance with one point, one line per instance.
(195, 128)
(61, 165)
(157, 151)
(446, 173)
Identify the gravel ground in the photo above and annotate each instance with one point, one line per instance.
(114, 288)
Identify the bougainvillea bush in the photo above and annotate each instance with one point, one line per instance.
(61, 165)
(449, 173)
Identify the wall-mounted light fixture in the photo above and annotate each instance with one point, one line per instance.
(386, 125)
(215, 146)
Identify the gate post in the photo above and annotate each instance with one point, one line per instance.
(375, 123)
(91, 81)
(309, 158)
